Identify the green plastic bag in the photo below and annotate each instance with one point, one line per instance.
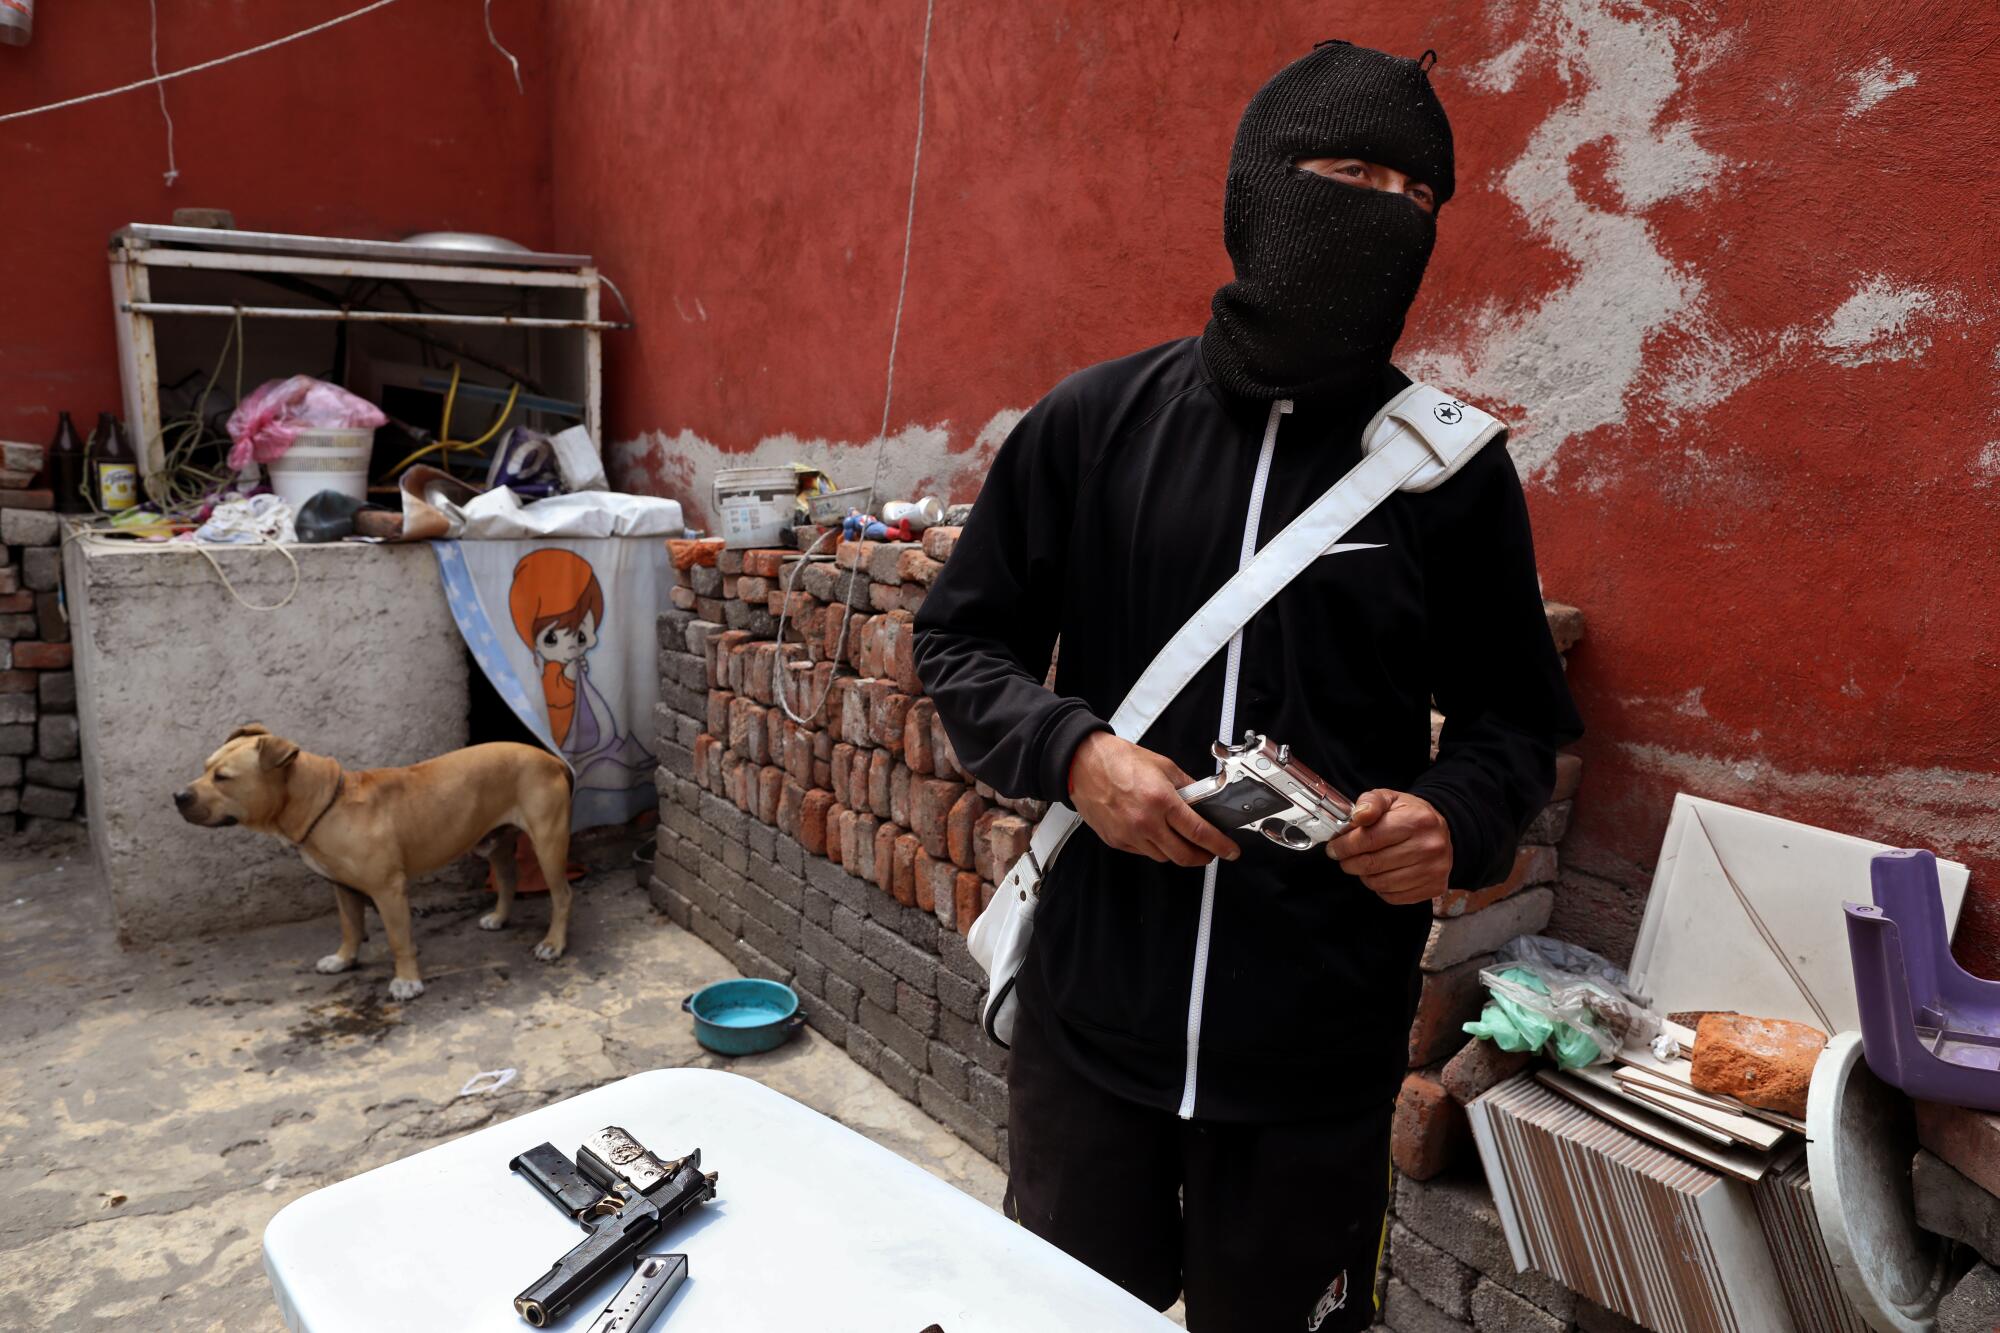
(1513, 1026)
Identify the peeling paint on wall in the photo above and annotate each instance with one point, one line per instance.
(1877, 323)
(1876, 82)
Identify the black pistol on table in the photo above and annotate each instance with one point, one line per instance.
(624, 1197)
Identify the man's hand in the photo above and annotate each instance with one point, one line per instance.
(1128, 797)
(1398, 845)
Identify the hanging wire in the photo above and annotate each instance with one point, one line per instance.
(846, 603)
(153, 13)
(196, 69)
(518, 87)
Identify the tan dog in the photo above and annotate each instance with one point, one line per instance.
(374, 831)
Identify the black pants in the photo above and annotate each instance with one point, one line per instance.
(1262, 1226)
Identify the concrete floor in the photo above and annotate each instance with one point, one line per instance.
(158, 1106)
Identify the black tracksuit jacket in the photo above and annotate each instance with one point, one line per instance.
(1113, 510)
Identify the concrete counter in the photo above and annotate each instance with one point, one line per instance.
(363, 664)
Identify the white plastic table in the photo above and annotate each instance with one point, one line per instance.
(813, 1226)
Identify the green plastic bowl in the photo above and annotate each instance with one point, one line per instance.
(745, 1016)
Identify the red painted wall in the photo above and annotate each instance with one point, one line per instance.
(1727, 271)
(400, 121)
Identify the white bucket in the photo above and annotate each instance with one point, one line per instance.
(323, 460)
(754, 505)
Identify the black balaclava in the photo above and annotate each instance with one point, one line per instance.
(1325, 270)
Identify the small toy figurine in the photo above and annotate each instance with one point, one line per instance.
(858, 526)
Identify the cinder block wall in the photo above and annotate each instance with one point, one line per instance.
(847, 854)
(41, 769)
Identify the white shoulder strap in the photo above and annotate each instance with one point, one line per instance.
(1420, 437)
(1452, 429)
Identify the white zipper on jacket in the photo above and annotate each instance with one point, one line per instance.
(1252, 521)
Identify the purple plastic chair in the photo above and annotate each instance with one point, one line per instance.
(1928, 1026)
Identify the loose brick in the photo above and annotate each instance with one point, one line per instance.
(886, 559)
(900, 652)
(1973, 1305)
(1764, 1062)
(880, 766)
(47, 802)
(960, 822)
(854, 555)
(1565, 624)
(917, 735)
(812, 820)
(42, 656)
(863, 861)
(1455, 939)
(854, 713)
(718, 711)
(944, 759)
(1480, 1065)
(58, 737)
(685, 555)
(1457, 1215)
(1551, 825)
(1966, 1139)
(932, 801)
(1430, 1131)
(944, 880)
(939, 542)
(1009, 836)
(886, 717)
(899, 794)
(1449, 1000)
(916, 567)
(886, 834)
(903, 878)
(29, 527)
(885, 596)
(923, 886)
(26, 682)
(27, 499)
(791, 799)
(966, 900)
(982, 845)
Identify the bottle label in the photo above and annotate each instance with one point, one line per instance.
(117, 485)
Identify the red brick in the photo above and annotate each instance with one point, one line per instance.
(686, 554)
(1009, 835)
(839, 823)
(885, 596)
(858, 769)
(1968, 1140)
(886, 834)
(770, 786)
(822, 772)
(710, 609)
(899, 794)
(1762, 1062)
(799, 606)
(931, 803)
(798, 753)
(913, 597)
(791, 799)
(903, 883)
(965, 900)
(916, 567)
(27, 682)
(923, 870)
(880, 765)
(812, 820)
(1569, 776)
(1480, 1065)
(863, 862)
(1430, 1131)
(939, 542)
(868, 646)
(752, 589)
(986, 893)
(702, 743)
(944, 759)
(900, 652)
(716, 753)
(958, 828)
(885, 719)
(854, 555)
(854, 712)
(1450, 999)
(1532, 865)
(718, 711)
(982, 846)
(944, 879)
(766, 562)
(798, 689)
(683, 598)
(836, 636)
(843, 757)
(719, 650)
(836, 702)
(917, 736)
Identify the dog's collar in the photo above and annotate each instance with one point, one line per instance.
(331, 801)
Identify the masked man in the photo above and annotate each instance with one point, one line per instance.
(1207, 1051)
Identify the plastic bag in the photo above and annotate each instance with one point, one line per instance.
(270, 417)
(259, 518)
(1552, 996)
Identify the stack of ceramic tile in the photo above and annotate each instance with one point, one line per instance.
(1635, 1227)
(1785, 1205)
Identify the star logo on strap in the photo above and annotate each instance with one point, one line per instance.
(1450, 413)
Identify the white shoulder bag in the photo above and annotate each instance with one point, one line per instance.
(1421, 437)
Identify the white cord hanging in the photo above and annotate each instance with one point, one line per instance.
(882, 435)
(173, 172)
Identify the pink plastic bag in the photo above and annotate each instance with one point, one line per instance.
(271, 416)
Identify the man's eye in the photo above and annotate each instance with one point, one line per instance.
(1354, 169)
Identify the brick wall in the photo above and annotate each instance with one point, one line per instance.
(847, 855)
(41, 772)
